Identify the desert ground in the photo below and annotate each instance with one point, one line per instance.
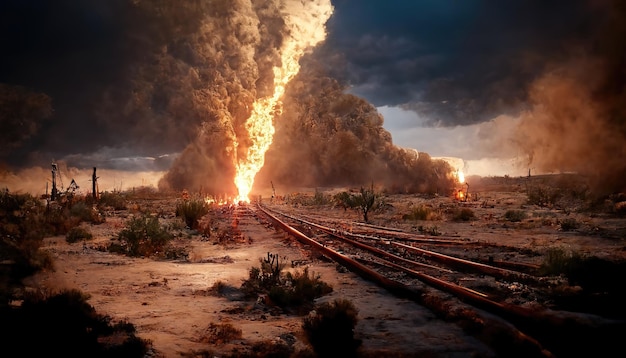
(171, 301)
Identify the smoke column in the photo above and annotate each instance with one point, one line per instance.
(306, 23)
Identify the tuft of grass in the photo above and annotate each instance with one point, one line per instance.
(543, 195)
(77, 234)
(515, 215)
(463, 214)
(116, 200)
(569, 224)
(421, 212)
(221, 333)
(429, 230)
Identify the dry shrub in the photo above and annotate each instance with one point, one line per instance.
(515, 215)
(463, 214)
(420, 212)
(65, 325)
(286, 290)
(220, 333)
(144, 236)
(330, 329)
(77, 234)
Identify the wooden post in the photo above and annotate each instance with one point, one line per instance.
(93, 183)
(53, 192)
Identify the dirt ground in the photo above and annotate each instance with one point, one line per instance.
(170, 303)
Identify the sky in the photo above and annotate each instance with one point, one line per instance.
(477, 79)
(440, 70)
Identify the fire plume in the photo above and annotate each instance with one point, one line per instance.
(461, 176)
(306, 20)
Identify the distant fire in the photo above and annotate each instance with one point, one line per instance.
(460, 194)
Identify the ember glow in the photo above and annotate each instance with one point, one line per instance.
(307, 24)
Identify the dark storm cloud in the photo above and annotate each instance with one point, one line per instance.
(80, 54)
(453, 62)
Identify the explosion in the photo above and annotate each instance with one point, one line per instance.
(306, 33)
(460, 176)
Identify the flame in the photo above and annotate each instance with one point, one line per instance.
(461, 176)
(307, 30)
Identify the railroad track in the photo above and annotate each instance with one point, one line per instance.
(416, 267)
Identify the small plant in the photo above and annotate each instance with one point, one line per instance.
(191, 210)
(320, 198)
(569, 224)
(85, 212)
(290, 290)
(77, 234)
(543, 195)
(421, 212)
(365, 201)
(330, 329)
(299, 289)
(221, 333)
(558, 261)
(144, 236)
(344, 200)
(116, 200)
(429, 230)
(515, 215)
(464, 214)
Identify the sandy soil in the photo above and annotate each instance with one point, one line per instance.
(170, 304)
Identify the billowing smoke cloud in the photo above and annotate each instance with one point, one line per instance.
(576, 116)
(324, 136)
(328, 138)
(163, 84)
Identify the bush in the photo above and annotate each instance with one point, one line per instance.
(65, 325)
(191, 210)
(590, 272)
(78, 233)
(464, 214)
(421, 212)
(299, 289)
(116, 200)
(569, 224)
(290, 290)
(365, 201)
(330, 329)
(429, 230)
(144, 236)
(85, 212)
(221, 333)
(320, 198)
(544, 195)
(515, 215)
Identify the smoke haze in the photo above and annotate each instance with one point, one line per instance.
(166, 87)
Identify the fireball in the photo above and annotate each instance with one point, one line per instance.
(306, 20)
